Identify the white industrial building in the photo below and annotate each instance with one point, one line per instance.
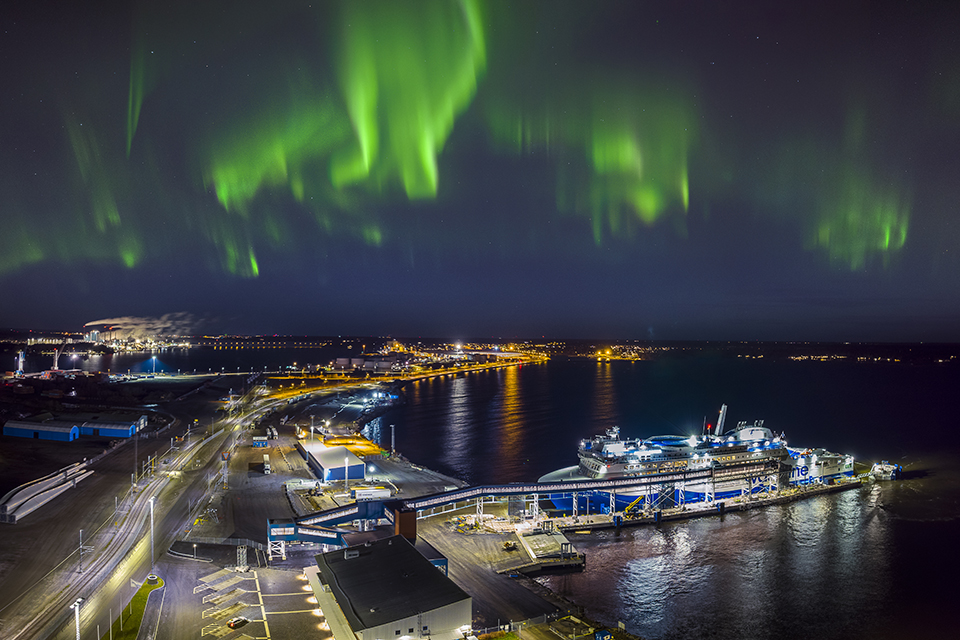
(332, 463)
(387, 590)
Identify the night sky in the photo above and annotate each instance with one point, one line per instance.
(666, 170)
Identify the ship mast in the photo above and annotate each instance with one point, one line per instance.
(723, 416)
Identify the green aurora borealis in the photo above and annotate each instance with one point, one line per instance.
(247, 132)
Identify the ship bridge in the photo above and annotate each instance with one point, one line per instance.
(609, 494)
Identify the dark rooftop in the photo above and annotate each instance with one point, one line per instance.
(385, 580)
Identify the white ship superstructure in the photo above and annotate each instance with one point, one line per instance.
(608, 456)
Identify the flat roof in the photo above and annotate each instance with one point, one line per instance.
(110, 425)
(332, 457)
(385, 580)
(102, 418)
(50, 425)
(425, 549)
(356, 443)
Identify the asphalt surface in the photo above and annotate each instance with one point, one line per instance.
(39, 555)
(280, 607)
(474, 560)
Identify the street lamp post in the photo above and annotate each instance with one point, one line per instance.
(136, 454)
(194, 550)
(76, 614)
(152, 500)
(154, 358)
(346, 474)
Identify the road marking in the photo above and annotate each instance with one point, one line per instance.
(295, 593)
(273, 613)
(263, 610)
(163, 597)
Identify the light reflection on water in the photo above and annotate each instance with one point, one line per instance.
(457, 435)
(605, 395)
(876, 562)
(817, 568)
(509, 421)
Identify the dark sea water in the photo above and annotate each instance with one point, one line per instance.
(882, 561)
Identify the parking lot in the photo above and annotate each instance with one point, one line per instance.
(202, 598)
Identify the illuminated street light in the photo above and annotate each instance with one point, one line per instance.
(152, 500)
(194, 550)
(76, 614)
(154, 358)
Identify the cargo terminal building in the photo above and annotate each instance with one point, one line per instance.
(331, 463)
(387, 590)
(69, 427)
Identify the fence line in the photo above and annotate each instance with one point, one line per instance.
(518, 626)
(236, 542)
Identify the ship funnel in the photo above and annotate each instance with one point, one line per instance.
(723, 416)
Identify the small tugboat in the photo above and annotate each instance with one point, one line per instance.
(885, 471)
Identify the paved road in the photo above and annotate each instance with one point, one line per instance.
(171, 509)
(47, 543)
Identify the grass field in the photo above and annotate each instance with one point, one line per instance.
(132, 614)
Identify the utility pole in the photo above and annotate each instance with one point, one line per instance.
(82, 549)
(152, 500)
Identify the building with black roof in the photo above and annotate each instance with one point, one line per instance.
(387, 590)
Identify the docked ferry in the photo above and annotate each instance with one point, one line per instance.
(608, 456)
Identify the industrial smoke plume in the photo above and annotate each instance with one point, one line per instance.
(170, 324)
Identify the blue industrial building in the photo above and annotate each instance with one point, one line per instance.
(108, 425)
(49, 430)
(69, 428)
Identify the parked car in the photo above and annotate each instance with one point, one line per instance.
(236, 623)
